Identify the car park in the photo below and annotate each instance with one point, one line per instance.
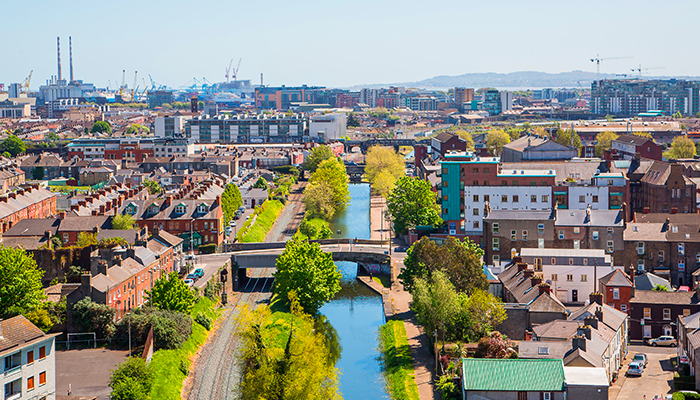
(635, 369)
(663, 341)
(640, 358)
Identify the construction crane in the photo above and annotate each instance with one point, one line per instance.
(228, 71)
(640, 69)
(597, 61)
(133, 88)
(235, 71)
(121, 88)
(109, 84)
(24, 87)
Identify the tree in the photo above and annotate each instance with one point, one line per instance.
(318, 201)
(153, 186)
(459, 260)
(131, 380)
(13, 145)
(6, 154)
(568, 137)
(383, 163)
(681, 147)
(411, 204)
(352, 122)
(286, 359)
(123, 222)
(604, 142)
(495, 346)
(467, 138)
(89, 316)
(307, 270)
(435, 302)
(171, 293)
(479, 314)
(660, 288)
(261, 183)
(20, 282)
(136, 129)
(333, 174)
(495, 141)
(231, 201)
(316, 156)
(678, 115)
(86, 239)
(101, 127)
(642, 134)
(38, 173)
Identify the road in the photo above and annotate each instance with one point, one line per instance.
(657, 378)
(210, 263)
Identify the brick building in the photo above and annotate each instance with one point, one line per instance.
(617, 289)
(653, 314)
(627, 147)
(30, 203)
(666, 188)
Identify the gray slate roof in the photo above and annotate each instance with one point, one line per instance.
(616, 278)
(602, 218)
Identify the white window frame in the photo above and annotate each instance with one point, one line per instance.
(596, 236)
(623, 308)
(540, 229)
(681, 249)
(640, 248)
(667, 314)
(561, 235)
(494, 227)
(640, 265)
(610, 246)
(616, 293)
(496, 244)
(524, 234)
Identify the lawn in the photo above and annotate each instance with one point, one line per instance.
(398, 365)
(168, 365)
(383, 280)
(270, 210)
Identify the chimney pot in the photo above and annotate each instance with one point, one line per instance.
(544, 288)
(528, 273)
(596, 298)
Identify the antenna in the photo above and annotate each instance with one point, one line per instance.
(58, 45)
(70, 47)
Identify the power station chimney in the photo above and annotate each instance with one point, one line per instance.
(58, 44)
(70, 47)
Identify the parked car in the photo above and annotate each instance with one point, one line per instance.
(635, 369)
(192, 276)
(400, 249)
(663, 341)
(640, 358)
(198, 272)
(189, 282)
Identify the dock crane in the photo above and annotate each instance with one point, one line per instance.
(24, 87)
(133, 88)
(121, 88)
(640, 69)
(597, 61)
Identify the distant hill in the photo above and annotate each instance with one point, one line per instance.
(521, 79)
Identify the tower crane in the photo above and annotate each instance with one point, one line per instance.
(133, 88)
(235, 71)
(24, 87)
(597, 61)
(640, 69)
(121, 88)
(228, 70)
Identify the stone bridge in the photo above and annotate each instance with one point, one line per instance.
(366, 144)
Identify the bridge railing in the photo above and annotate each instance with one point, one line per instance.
(231, 247)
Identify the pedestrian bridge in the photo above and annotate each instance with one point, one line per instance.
(360, 253)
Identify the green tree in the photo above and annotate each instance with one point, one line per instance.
(89, 316)
(308, 271)
(131, 380)
(332, 172)
(6, 154)
(467, 138)
(678, 115)
(123, 222)
(604, 142)
(171, 293)
(41, 318)
(385, 165)
(352, 121)
(660, 288)
(153, 186)
(136, 129)
(101, 127)
(261, 183)
(286, 359)
(13, 145)
(318, 201)
(411, 204)
(316, 156)
(495, 140)
(435, 302)
(38, 173)
(642, 134)
(20, 282)
(86, 239)
(568, 137)
(459, 260)
(681, 147)
(231, 201)
(479, 314)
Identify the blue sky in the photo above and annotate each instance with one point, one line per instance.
(337, 44)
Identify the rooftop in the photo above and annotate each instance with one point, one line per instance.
(483, 374)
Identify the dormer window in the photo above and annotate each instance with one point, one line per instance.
(180, 209)
(130, 209)
(202, 208)
(153, 208)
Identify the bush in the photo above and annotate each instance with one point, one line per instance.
(203, 320)
(132, 380)
(447, 388)
(170, 328)
(89, 316)
(685, 396)
(287, 170)
(213, 289)
(40, 317)
(267, 214)
(207, 248)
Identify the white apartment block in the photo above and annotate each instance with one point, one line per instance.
(502, 198)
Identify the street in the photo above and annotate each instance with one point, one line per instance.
(210, 263)
(657, 378)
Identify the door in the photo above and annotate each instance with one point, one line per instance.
(574, 295)
(667, 330)
(522, 395)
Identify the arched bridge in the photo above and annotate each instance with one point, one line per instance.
(366, 144)
(360, 253)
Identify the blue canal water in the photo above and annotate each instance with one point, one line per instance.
(356, 312)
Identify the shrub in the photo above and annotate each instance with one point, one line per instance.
(40, 317)
(203, 320)
(170, 328)
(132, 380)
(447, 387)
(89, 316)
(213, 289)
(207, 248)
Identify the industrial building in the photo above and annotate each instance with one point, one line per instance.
(58, 88)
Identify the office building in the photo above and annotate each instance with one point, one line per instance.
(496, 102)
(328, 126)
(281, 98)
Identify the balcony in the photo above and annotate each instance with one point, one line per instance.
(13, 370)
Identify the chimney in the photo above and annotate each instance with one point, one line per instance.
(536, 280)
(544, 288)
(578, 342)
(102, 267)
(156, 231)
(70, 49)
(62, 215)
(674, 210)
(528, 273)
(118, 260)
(108, 205)
(47, 235)
(517, 259)
(102, 209)
(666, 225)
(130, 252)
(599, 313)
(94, 212)
(217, 201)
(168, 201)
(86, 285)
(3, 199)
(591, 321)
(596, 298)
(522, 266)
(89, 200)
(12, 195)
(58, 46)
(75, 207)
(20, 192)
(624, 213)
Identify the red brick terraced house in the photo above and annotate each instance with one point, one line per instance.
(29, 203)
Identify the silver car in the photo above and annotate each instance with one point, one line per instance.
(635, 369)
(663, 341)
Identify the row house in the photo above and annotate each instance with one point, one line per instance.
(617, 289)
(689, 343)
(29, 203)
(224, 165)
(11, 177)
(653, 313)
(49, 163)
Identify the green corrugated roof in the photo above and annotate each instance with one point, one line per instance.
(485, 374)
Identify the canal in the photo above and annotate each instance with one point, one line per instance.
(356, 311)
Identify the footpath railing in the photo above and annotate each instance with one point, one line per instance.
(231, 247)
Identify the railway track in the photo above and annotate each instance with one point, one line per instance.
(218, 375)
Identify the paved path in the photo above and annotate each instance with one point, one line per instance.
(289, 219)
(379, 230)
(657, 378)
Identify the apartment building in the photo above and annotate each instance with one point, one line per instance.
(282, 97)
(262, 128)
(635, 96)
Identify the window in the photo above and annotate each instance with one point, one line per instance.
(545, 198)
(571, 261)
(553, 261)
(538, 264)
(611, 231)
(569, 278)
(524, 235)
(504, 198)
(13, 361)
(554, 277)
(496, 260)
(595, 235)
(577, 230)
(647, 331)
(584, 278)
(667, 313)
(540, 243)
(533, 198)
(640, 247)
(681, 249)
(623, 308)
(30, 356)
(585, 261)
(515, 183)
(495, 244)
(640, 265)
(543, 351)
(686, 312)
(697, 257)
(504, 183)
(681, 266)
(475, 183)
(540, 229)
(66, 237)
(595, 198)
(30, 383)
(475, 211)
(561, 234)
(476, 225)
(444, 183)
(443, 197)
(661, 256)
(582, 199)
(475, 170)
(487, 197)
(516, 199)
(494, 227)
(180, 209)
(647, 313)
(546, 396)
(42, 352)
(513, 235)
(13, 388)
(476, 198)
(577, 244)
(616, 293)
(610, 246)
(42, 378)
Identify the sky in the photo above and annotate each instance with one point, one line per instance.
(339, 44)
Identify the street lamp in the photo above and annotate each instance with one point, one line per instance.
(128, 315)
